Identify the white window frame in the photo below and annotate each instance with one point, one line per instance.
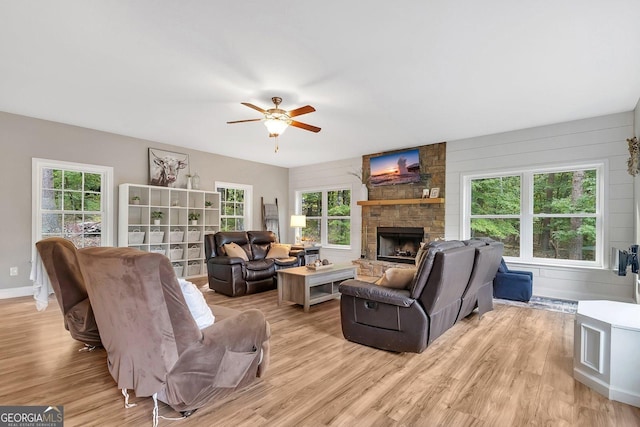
(248, 201)
(527, 216)
(38, 165)
(324, 218)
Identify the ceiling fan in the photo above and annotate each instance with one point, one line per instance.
(277, 120)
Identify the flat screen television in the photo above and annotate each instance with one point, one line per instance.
(621, 260)
(401, 167)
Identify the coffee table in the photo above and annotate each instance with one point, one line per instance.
(306, 287)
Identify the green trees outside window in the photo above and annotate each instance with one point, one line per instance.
(554, 213)
(232, 206)
(564, 215)
(330, 210)
(71, 206)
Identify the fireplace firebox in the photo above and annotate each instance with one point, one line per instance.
(398, 244)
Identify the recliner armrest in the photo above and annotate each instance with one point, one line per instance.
(227, 356)
(226, 260)
(515, 276)
(522, 273)
(372, 292)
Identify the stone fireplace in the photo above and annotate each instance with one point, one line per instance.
(402, 206)
(398, 244)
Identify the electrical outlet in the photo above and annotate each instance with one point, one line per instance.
(13, 271)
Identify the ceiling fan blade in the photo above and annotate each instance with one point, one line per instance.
(243, 121)
(254, 107)
(302, 110)
(305, 126)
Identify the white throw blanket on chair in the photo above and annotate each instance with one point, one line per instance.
(41, 283)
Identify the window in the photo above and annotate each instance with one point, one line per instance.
(235, 206)
(72, 201)
(328, 215)
(552, 216)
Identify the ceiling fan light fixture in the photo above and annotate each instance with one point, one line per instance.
(277, 120)
(276, 126)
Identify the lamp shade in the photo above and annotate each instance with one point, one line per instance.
(276, 126)
(298, 221)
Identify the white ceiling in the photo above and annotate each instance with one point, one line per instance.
(381, 75)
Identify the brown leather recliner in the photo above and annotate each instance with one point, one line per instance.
(153, 343)
(408, 320)
(60, 259)
(234, 276)
(479, 292)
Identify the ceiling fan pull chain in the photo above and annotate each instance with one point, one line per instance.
(276, 141)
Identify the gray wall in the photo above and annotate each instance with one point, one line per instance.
(23, 138)
(326, 176)
(596, 139)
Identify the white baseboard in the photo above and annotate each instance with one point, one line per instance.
(22, 291)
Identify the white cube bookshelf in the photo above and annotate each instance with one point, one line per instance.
(175, 231)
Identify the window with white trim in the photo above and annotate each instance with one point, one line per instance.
(235, 206)
(73, 201)
(328, 214)
(545, 215)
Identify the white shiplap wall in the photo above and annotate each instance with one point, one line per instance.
(324, 176)
(596, 139)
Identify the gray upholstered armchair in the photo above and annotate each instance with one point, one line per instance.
(152, 341)
(60, 259)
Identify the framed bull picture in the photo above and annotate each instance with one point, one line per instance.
(168, 169)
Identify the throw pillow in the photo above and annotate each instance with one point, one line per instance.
(397, 278)
(279, 250)
(198, 307)
(421, 253)
(234, 250)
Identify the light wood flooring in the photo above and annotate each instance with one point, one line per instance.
(511, 368)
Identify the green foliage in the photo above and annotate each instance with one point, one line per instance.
(338, 205)
(556, 193)
(495, 196)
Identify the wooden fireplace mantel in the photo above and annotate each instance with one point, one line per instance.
(400, 202)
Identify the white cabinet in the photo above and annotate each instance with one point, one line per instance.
(606, 347)
(161, 219)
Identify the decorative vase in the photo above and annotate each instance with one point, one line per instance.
(364, 192)
(188, 183)
(195, 181)
(156, 222)
(135, 202)
(194, 222)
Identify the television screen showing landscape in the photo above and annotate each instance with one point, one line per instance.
(395, 168)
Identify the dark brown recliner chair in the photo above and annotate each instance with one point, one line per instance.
(234, 276)
(479, 292)
(153, 344)
(60, 259)
(408, 320)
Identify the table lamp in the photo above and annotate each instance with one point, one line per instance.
(297, 222)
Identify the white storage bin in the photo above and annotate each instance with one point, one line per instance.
(193, 252)
(178, 269)
(160, 250)
(193, 235)
(136, 237)
(176, 236)
(176, 253)
(156, 237)
(193, 269)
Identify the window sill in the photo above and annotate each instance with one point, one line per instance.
(338, 248)
(537, 264)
